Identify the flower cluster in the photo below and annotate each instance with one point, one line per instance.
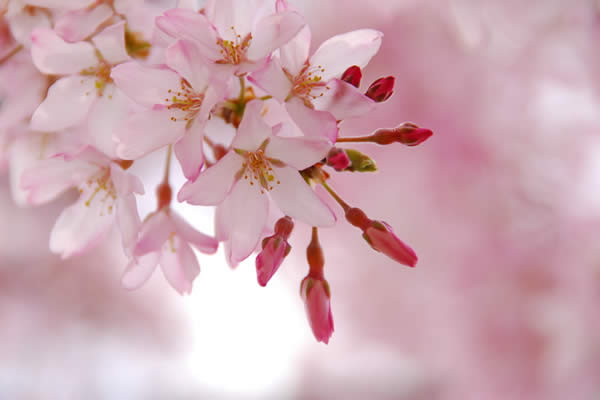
(88, 87)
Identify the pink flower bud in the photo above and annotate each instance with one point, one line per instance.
(352, 75)
(316, 296)
(382, 238)
(274, 249)
(268, 261)
(408, 134)
(381, 89)
(338, 159)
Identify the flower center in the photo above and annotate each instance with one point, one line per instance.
(308, 84)
(102, 73)
(185, 100)
(259, 168)
(234, 51)
(100, 188)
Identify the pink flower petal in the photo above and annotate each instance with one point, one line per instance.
(179, 264)
(67, 103)
(145, 85)
(213, 184)
(111, 43)
(202, 242)
(185, 24)
(185, 58)
(247, 209)
(24, 22)
(272, 32)
(313, 123)
(298, 152)
(188, 151)
(139, 270)
(53, 56)
(252, 130)
(80, 226)
(129, 222)
(318, 310)
(297, 199)
(272, 80)
(77, 25)
(239, 14)
(338, 53)
(294, 54)
(106, 116)
(343, 101)
(147, 131)
(155, 231)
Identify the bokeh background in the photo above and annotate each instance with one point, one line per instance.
(502, 205)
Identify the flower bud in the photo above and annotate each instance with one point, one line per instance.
(274, 249)
(338, 159)
(352, 75)
(407, 133)
(360, 162)
(382, 238)
(381, 89)
(268, 261)
(316, 296)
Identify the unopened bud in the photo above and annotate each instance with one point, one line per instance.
(352, 75)
(338, 159)
(381, 89)
(360, 162)
(407, 133)
(284, 227)
(316, 296)
(383, 239)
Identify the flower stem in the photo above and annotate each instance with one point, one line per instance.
(356, 139)
(168, 164)
(337, 198)
(242, 89)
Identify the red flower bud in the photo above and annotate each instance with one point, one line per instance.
(268, 261)
(338, 159)
(407, 133)
(352, 75)
(316, 296)
(381, 89)
(382, 238)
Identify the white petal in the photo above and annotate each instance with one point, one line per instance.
(252, 130)
(340, 52)
(111, 43)
(343, 101)
(188, 151)
(294, 54)
(77, 25)
(213, 184)
(53, 56)
(147, 131)
(179, 264)
(24, 22)
(155, 230)
(272, 32)
(313, 123)
(202, 242)
(128, 221)
(106, 116)
(184, 57)
(67, 104)
(81, 225)
(298, 152)
(146, 85)
(272, 80)
(247, 208)
(139, 270)
(297, 199)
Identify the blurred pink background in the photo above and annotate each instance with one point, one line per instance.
(502, 206)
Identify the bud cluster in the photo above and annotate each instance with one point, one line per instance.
(88, 88)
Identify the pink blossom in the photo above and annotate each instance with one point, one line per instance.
(86, 92)
(316, 296)
(237, 35)
(176, 102)
(165, 239)
(106, 196)
(338, 159)
(262, 165)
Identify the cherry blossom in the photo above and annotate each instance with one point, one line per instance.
(261, 165)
